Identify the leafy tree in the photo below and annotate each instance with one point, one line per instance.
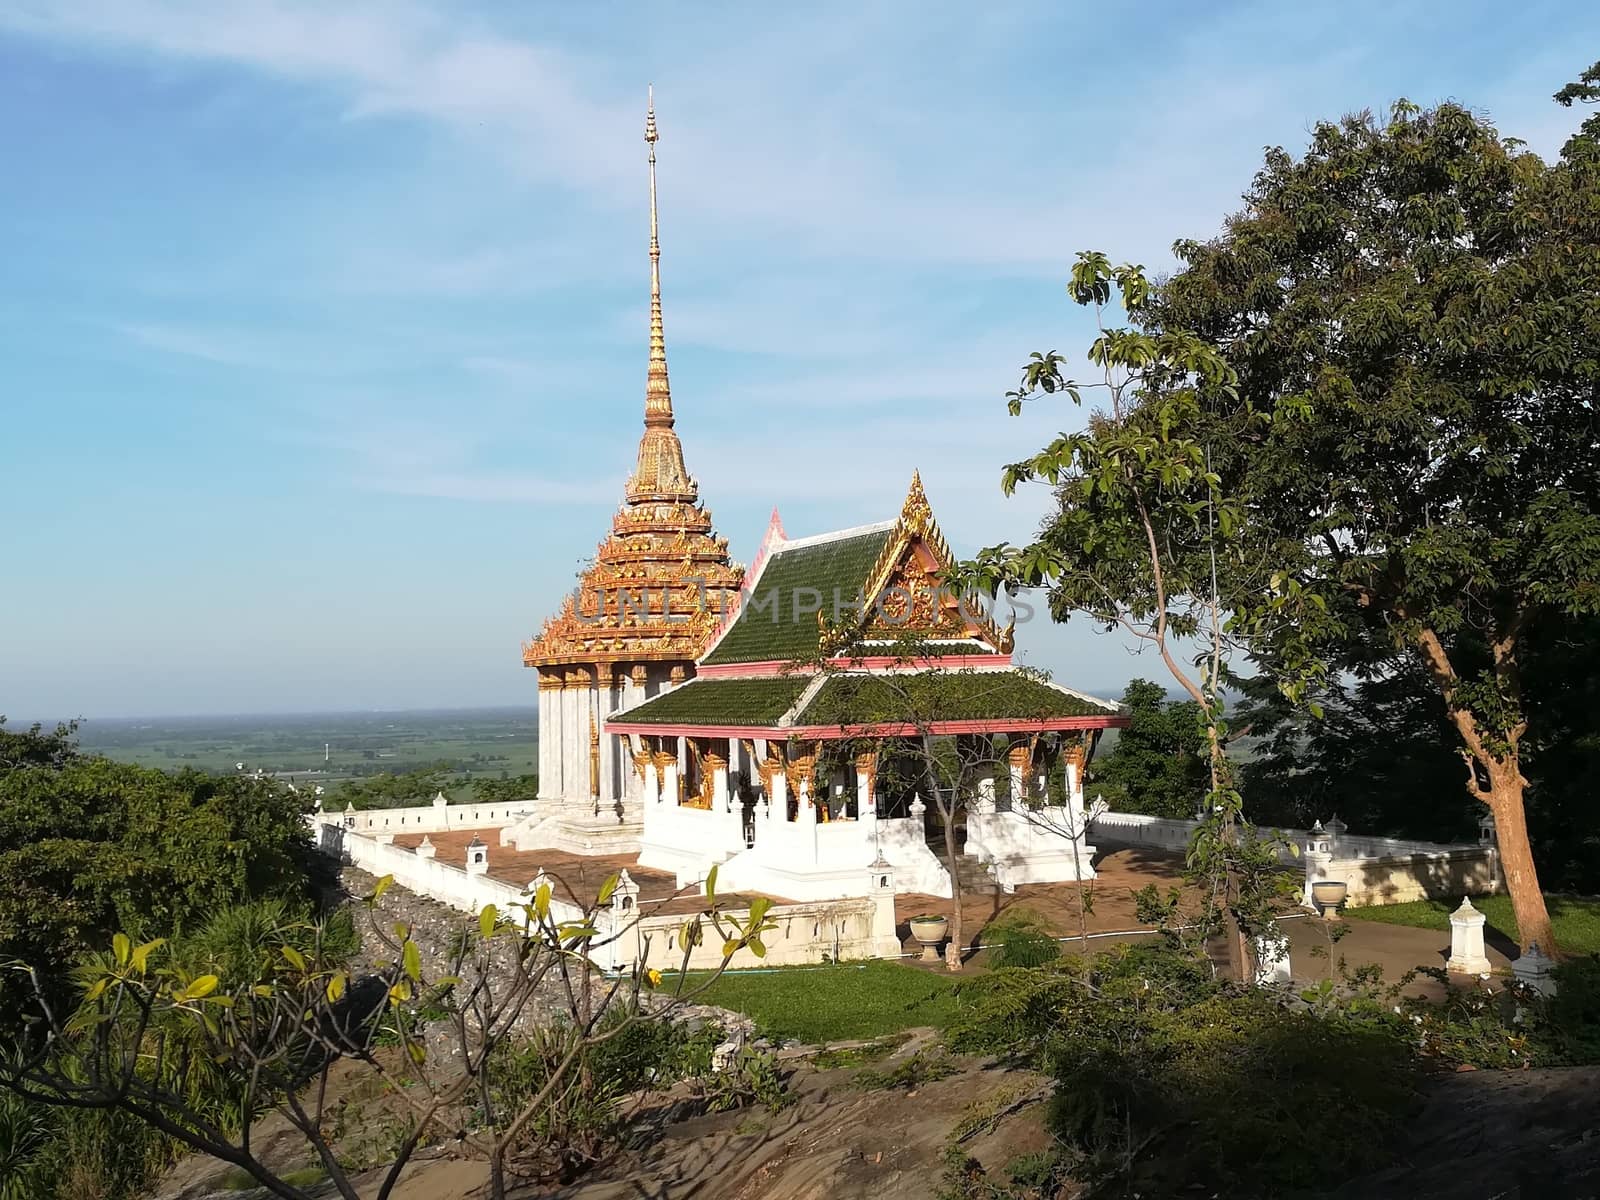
(1414, 303)
(1158, 765)
(518, 789)
(1148, 541)
(396, 789)
(34, 747)
(89, 846)
(1379, 758)
(1583, 90)
(271, 1035)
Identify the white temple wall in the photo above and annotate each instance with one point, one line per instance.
(857, 928)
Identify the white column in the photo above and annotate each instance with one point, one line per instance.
(780, 795)
(986, 802)
(669, 782)
(719, 788)
(652, 784)
(544, 739)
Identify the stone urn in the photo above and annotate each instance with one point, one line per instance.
(1328, 895)
(930, 931)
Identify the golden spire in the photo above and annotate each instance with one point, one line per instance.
(657, 391)
(660, 474)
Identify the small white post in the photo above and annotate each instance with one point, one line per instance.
(1534, 969)
(477, 857)
(881, 888)
(425, 848)
(1272, 960)
(1466, 941)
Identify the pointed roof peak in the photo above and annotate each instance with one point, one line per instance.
(661, 474)
(657, 388)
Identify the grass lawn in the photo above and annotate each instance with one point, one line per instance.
(836, 1002)
(1576, 918)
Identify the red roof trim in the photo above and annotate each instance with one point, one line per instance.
(898, 729)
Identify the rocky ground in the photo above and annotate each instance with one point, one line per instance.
(1483, 1135)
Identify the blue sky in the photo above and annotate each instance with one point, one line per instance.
(322, 326)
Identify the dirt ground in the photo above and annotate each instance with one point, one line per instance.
(1482, 1135)
(833, 1141)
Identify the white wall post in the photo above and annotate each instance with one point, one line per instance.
(477, 857)
(1466, 941)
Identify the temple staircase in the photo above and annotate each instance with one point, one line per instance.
(975, 877)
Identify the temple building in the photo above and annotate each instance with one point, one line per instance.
(638, 619)
(798, 722)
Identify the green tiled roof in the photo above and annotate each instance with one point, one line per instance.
(767, 628)
(755, 702)
(928, 696)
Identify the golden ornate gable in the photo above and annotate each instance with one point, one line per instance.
(903, 588)
(662, 577)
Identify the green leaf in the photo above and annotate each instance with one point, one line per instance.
(141, 955)
(541, 901)
(487, 919)
(198, 989)
(711, 885)
(121, 947)
(382, 886)
(757, 946)
(294, 958)
(417, 1051)
(411, 958)
(336, 983)
(606, 888)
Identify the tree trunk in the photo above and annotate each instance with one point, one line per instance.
(952, 952)
(1516, 857)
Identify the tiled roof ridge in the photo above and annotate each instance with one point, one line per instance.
(837, 535)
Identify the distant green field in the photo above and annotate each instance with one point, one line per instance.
(492, 742)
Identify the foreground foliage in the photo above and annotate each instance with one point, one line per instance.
(161, 1037)
(1169, 1080)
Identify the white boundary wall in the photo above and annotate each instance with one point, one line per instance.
(814, 932)
(1377, 870)
(437, 817)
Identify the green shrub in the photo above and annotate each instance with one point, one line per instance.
(1020, 940)
(1572, 1016)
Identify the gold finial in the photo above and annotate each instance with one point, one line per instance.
(657, 390)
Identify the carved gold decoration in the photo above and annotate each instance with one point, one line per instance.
(678, 674)
(549, 681)
(867, 769)
(641, 676)
(641, 760)
(903, 585)
(802, 765)
(594, 757)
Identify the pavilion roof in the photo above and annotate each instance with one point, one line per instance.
(853, 703)
(766, 628)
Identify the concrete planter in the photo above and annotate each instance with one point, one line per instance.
(1328, 895)
(929, 932)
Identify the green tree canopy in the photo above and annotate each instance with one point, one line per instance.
(1158, 765)
(89, 846)
(1416, 303)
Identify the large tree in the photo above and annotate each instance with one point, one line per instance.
(1416, 302)
(89, 846)
(1159, 762)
